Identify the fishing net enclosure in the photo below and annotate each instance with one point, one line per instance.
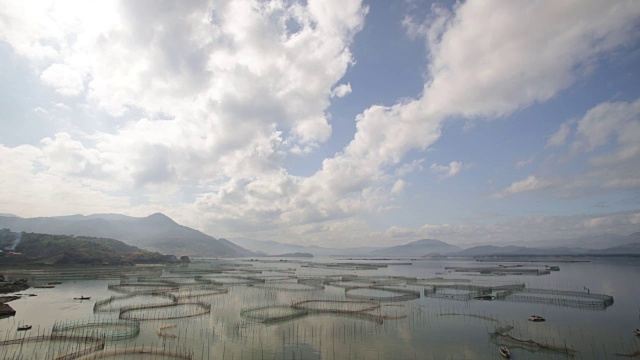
(141, 352)
(166, 312)
(109, 329)
(187, 312)
(381, 293)
(117, 303)
(273, 313)
(143, 287)
(353, 308)
(50, 346)
(191, 292)
(562, 298)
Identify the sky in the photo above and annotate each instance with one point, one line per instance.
(337, 123)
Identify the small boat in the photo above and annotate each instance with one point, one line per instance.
(637, 332)
(83, 298)
(485, 297)
(44, 287)
(24, 327)
(505, 352)
(536, 318)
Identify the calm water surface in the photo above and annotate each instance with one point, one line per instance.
(420, 328)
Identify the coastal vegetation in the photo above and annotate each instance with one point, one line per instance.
(34, 248)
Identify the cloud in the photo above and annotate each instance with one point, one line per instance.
(217, 95)
(525, 54)
(64, 79)
(398, 186)
(559, 138)
(608, 135)
(524, 163)
(341, 90)
(531, 228)
(604, 140)
(43, 182)
(609, 120)
(531, 183)
(447, 171)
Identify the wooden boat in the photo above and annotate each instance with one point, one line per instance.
(24, 327)
(536, 318)
(505, 352)
(44, 287)
(82, 298)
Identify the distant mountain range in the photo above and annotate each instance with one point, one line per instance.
(156, 232)
(590, 242)
(604, 244)
(274, 248)
(159, 233)
(418, 248)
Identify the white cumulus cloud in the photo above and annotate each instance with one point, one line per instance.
(341, 90)
(446, 171)
(64, 79)
(531, 183)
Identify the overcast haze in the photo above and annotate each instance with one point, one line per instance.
(327, 122)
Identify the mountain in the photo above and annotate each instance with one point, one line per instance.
(593, 242)
(156, 232)
(627, 249)
(270, 247)
(485, 250)
(70, 250)
(417, 248)
(489, 250)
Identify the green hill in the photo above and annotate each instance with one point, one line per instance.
(68, 250)
(155, 232)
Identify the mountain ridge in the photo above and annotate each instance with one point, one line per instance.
(418, 248)
(156, 232)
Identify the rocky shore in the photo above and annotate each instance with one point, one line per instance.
(10, 287)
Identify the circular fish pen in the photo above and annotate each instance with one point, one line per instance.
(140, 353)
(143, 288)
(379, 293)
(53, 346)
(273, 313)
(561, 298)
(166, 312)
(351, 308)
(201, 291)
(451, 293)
(290, 286)
(228, 280)
(117, 303)
(272, 278)
(437, 281)
(110, 329)
(380, 280)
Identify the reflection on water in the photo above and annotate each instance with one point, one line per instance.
(437, 309)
